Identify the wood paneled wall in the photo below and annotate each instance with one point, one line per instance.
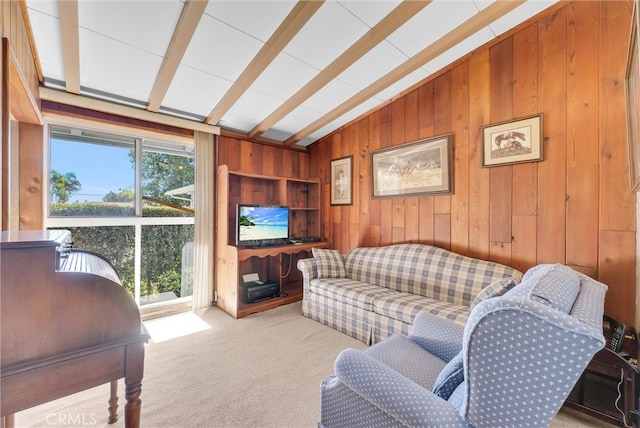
(20, 98)
(16, 28)
(263, 159)
(575, 207)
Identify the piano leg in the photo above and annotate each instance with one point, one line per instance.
(8, 421)
(113, 402)
(132, 408)
(133, 384)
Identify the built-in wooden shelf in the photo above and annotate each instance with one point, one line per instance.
(276, 263)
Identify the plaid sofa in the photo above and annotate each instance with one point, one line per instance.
(371, 293)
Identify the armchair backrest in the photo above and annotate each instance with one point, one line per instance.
(523, 352)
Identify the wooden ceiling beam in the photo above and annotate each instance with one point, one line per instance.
(123, 110)
(390, 23)
(68, 10)
(451, 39)
(190, 16)
(290, 26)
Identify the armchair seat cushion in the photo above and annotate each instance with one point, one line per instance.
(355, 293)
(405, 306)
(409, 359)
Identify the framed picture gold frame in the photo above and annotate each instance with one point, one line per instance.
(342, 181)
(513, 141)
(422, 167)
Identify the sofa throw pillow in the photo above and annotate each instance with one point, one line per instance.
(449, 378)
(329, 263)
(497, 288)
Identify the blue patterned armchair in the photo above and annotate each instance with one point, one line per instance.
(512, 364)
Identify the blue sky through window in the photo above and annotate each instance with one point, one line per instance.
(99, 168)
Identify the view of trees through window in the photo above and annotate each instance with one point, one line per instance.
(93, 181)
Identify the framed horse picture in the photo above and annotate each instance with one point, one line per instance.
(514, 141)
(423, 167)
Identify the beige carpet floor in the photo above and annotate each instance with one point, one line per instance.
(210, 370)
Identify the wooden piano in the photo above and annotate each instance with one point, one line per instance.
(66, 325)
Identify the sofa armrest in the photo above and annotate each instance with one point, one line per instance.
(365, 376)
(439, 336)
(309, 270)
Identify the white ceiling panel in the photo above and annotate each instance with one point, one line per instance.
(375, 64)
(276, 135)
(195, 91)
(256, 18)
(370, 11)
(332, 95)
(126, 46)
(284, 77)
(112, 66)
(430, 24)
(331, 31)
(291, 123)
(138, 24)
(46, 27)
(219, 49)
(47, 7)
(251, 109)
(306, 141)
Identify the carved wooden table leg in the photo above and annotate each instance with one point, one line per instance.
(133, 384)
(132, 407)
(113, 402)
(9, 421)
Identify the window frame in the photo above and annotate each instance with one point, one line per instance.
(136, 220)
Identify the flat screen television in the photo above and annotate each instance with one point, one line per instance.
(261, 225)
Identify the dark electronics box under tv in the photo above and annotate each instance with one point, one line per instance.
(254, 291)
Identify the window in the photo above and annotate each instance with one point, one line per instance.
(91, 174)
(129, 198)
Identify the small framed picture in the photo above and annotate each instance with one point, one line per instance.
(514, 141)
(423, 167)
(342, 181)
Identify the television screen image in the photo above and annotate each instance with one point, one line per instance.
(262, 225)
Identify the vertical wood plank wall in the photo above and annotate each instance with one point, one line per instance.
(14, 30)
(263, 159)
(257, 158)
(575, 207)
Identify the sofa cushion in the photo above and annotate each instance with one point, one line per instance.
(345, 290)
(405, 306)
(449, 378)
(497, 288)
(329, 263)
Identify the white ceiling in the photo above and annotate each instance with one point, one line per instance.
(225, 67)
